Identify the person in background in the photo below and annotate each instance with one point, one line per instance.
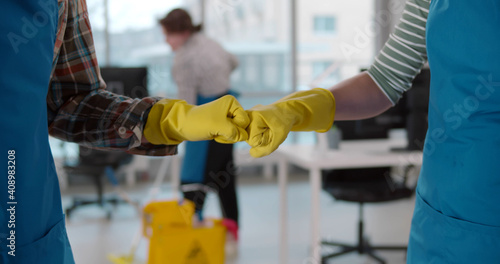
(202, 70)
(51, 84)
(457, 216)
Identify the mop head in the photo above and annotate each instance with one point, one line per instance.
(128, 259)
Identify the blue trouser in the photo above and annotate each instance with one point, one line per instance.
(211, 163)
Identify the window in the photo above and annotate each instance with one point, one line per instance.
(256, 31)
(325, 73)
(324, 25)
(345, 20)
(320, 66)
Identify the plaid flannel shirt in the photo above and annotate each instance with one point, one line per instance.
(79, 108)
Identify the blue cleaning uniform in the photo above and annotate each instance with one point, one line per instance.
(32, 228)
(457, 211)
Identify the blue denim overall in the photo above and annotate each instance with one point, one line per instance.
(32, 228)
(457, 212)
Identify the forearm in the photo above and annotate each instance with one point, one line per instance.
(105, 120)
(359, 97)
(78, 107)
(394, 69)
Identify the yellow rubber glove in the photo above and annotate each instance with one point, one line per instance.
(172, 121)
(311, 110)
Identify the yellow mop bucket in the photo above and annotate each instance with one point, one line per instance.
(174, 240)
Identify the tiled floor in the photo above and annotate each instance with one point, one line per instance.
(93, 237)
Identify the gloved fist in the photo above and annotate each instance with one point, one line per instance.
(172, 121)
(311, 110)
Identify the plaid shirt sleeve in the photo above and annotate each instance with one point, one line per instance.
(79, 108)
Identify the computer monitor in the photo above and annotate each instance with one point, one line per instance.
(417, 104)
(131, 82)
(376, 127)
(409, 113)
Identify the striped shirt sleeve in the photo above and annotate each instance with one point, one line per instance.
(404, 53)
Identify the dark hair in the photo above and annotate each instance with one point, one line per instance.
(178, 20)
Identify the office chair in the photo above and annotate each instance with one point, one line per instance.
(370, 185)
(96, 164)
(131, 82)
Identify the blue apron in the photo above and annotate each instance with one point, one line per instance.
(195, 157)
(457, 211)
(32, 228)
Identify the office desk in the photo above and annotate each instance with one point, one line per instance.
(351, 154)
